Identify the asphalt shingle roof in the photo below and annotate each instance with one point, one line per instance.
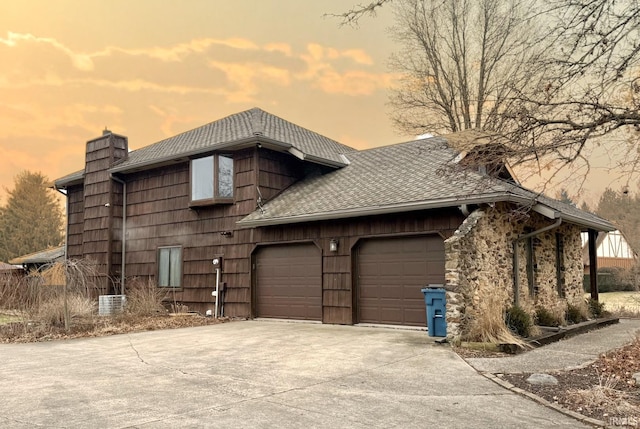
(253, 124)
(250, 124)
(413, 175)
(41, 257)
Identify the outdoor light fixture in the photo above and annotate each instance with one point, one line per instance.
(333, 245)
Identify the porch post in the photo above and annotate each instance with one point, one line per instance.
(593, 264)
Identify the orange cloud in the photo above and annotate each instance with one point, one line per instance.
(28, 120)
(180, 51)
(283, 48)
(318, 52)
(170, 118)
(322, 72)
(353, 82)
(80, 61)
(245, 78)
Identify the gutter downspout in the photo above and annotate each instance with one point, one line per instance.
(516, 264)
(66, 233)
(124, 231)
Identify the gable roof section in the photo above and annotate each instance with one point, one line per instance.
(249, 127)
(612, 244)
(409, 176)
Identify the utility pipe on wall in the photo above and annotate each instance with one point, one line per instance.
(516, 263)
(124, 231)
(66, 209)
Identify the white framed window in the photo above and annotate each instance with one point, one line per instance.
(170, 266)
(212, 180)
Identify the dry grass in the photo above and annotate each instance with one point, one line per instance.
(603, 396)
(36, 309)
(621, 304)
(99, 326)
(145, 298)
(488, 325)
(54, 310)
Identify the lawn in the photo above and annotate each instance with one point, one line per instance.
(7, 318)
(617, 301)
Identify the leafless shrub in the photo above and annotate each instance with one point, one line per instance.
(52, 295)
(145, 298)
(604, 396)
(178, 307)
(52, 311)
(11, 291)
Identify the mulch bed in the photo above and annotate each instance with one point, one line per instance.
(603, 390)
(27, 332)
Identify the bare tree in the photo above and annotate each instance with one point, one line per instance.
(464, 62)
(353, 15)
(554, 96)
(594, 83)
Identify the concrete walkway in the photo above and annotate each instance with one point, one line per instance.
(571, 353)
(256, 374)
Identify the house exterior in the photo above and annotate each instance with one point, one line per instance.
(308, 228)
(612, 251)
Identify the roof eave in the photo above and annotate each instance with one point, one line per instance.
(380, 210)
(598, 226)
(62, 183)
(183, 156)
(231, 145)
(555, 214)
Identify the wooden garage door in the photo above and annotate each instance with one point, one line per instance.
(391, 273)
(289, 282)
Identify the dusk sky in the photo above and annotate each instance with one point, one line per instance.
(149, 69)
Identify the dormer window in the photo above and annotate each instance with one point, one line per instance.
(212, 180)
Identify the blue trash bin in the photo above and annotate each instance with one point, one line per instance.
(435, 299)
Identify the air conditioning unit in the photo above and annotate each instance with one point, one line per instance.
(111, 304)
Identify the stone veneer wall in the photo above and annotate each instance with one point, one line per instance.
(479, 264)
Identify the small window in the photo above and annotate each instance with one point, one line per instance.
(212, 180)
(170, 266)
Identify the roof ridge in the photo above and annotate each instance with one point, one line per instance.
(257, 128)
(435, 139)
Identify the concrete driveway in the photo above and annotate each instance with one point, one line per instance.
(256, 374)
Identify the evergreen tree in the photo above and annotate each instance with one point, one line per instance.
(564, 196)
(32, 219)
(621, 208)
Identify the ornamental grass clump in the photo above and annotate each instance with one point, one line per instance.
(487, 325)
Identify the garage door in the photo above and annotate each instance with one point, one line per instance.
(391, 273)
(289, 282)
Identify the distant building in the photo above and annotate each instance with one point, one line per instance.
(613, 250)
(36, 260)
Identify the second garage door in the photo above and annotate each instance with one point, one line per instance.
(391, 273)
(289, 282)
